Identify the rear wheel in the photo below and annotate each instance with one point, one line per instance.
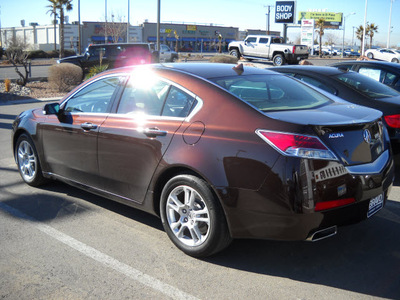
(28, 161)
(395, 60)
(370, 55)
(192, 216)
(278, 60)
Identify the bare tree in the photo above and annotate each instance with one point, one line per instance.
(116, 30)
(18, 56)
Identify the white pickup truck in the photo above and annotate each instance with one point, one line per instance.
(270, 48)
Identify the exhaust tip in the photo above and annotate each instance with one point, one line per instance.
(322, 234)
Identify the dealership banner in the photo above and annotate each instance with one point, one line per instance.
(285, 12)
(333, 20)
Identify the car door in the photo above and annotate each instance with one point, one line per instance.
(262, 47)
(132, 140)
(70, 138)
(249, 46)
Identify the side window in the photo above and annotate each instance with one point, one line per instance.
(389, 78)
(264, 40)
(94, 98)
(316, 83)
(143, 99)
(376, 74)
(251, 40)
(344, 67)
(178, 103)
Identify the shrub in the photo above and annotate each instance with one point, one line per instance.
(96, 70)
(56, 53)
(37, 54)
(1, 52)
(226, 59)
(65, 77)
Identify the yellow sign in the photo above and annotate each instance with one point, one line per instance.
(191, 27)
(332, 19)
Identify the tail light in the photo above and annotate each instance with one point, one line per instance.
(393, 121)
(297, 145)
(333, 204)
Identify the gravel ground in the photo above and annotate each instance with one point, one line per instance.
(32, 90)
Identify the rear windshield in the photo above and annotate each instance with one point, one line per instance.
(367, 86)
(273, 92)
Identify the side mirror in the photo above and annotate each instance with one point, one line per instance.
(51, 109)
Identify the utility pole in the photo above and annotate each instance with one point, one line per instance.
(268, 14)
(79, 28)
(127, 24)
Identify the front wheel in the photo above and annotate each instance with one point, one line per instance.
(395, 60)
(278, 60)
(192, 216)
(235, 52)
(370, 55)
(28, 161)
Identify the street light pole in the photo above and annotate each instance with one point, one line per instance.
(105, 26)
(344, 28)
(390, 24)
(158, 29)
(364, 29)
(79, 27)
(127, 24)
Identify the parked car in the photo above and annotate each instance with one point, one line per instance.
(383, 54)
(217, 151)
(168, 55)
(351, 53)
(384, 72)
(114, 55)
(268, 47)
(355, 88)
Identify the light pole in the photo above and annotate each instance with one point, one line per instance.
(344, 27)
(127, 24)
(352, 39)
(390, 24)
(79, 27)
(364, 29)
(158, 29)
(105, 26)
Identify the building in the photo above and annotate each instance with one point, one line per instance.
(39, 37)
(190, 37)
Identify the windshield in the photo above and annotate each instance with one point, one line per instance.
(273, 92)
(367, 86)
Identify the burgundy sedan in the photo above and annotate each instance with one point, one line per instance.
(217, 151)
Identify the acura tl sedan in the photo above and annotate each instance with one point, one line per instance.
(217, 151)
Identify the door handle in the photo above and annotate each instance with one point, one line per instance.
(154, 132)
(88, 126)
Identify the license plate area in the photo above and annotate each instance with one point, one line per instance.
(375, 205)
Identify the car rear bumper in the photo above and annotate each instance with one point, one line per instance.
(283, 212)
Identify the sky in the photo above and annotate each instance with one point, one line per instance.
(245, 14)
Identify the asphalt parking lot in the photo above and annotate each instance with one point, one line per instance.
(58, 242)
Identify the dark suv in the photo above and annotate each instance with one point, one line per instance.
(115, 55)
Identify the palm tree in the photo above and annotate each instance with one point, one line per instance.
(360, 33)
(60, 5)
(53, 12)
(320, 25)
(370, 31)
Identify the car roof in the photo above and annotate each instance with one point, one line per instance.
(327, 71)
(214, 70)
(368, 62)
(203, 70)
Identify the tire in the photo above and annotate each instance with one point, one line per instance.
(395, 60)
(192, 217)
(370, 55)
(28, 161)
(235, 52)
(278, 60)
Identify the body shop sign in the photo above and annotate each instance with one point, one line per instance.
(284, 11)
